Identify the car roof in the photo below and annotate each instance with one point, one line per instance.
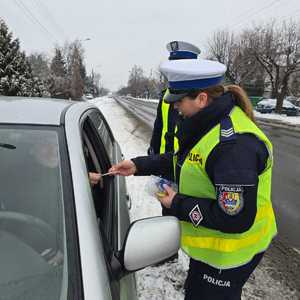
(31, 110)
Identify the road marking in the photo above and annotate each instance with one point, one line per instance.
(297, 250)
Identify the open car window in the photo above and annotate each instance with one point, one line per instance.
(97, 161)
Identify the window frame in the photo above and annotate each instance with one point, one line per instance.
(110, 233)
(95, 114)
(99, 149)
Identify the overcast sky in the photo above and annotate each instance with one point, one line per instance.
(127, 32)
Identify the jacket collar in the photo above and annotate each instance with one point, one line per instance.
(191, 129)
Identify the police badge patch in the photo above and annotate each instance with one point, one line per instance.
(196, 215)
(230, 198)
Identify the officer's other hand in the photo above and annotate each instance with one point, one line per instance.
(166, 200)
(94, 178)
(124, 168)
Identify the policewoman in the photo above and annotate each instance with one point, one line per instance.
(162, 140)
(223, 169)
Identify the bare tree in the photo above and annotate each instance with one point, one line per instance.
(221, 47)
(277, 50)
(229, 49)
(141, 85)
(161, 82)
(295, 84)
(136, 81)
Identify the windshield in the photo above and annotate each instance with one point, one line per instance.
(32, 235)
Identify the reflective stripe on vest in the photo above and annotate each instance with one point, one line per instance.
(218, 249)
(165, 109)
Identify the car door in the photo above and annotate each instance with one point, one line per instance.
(110, 196)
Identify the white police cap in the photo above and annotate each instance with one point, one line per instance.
(182, 50)
(190, 74)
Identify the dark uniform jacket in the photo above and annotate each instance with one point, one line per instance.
(238, 162)
(158, 127)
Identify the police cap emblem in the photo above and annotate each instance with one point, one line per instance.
(174, 46)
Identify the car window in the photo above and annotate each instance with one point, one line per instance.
(120, 215)
(97, 161)
(103, 130)
(33, 254)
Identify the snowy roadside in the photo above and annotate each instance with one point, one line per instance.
(283, 118)
(269, 118)
(166, 281)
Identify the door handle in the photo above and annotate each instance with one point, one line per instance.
(129, 201)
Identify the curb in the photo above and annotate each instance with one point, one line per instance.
(261, 121)
(278, 124)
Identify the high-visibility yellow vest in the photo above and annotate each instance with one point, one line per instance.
(165, 109)
(218, 249)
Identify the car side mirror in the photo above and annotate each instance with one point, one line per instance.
(150, 241)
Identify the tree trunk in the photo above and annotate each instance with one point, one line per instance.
(282, 94)
(279, 103)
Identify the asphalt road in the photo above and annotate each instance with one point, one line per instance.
(286, 183)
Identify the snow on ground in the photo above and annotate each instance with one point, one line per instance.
(166, 281)
(282, 118)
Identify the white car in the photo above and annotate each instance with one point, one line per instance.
(60, 236)
(89, 96)
(269, 105)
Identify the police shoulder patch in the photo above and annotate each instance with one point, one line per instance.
(230, 198)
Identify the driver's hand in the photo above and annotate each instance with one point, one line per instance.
(94, 178)
(125, 168)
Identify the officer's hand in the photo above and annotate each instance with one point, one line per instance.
(125, 168)
(166, 200)
(94, 178)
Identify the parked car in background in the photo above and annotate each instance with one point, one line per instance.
(269, 105)
(60, 236)
(294, 100)
(89, 96)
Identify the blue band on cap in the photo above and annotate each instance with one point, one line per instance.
(182, 55)
(195, 84)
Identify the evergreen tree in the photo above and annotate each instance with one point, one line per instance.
(92, 84)
(58, 65)
(59, 82)
(82, 67)
(16, 78)
(39, 65)
(76, 81)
